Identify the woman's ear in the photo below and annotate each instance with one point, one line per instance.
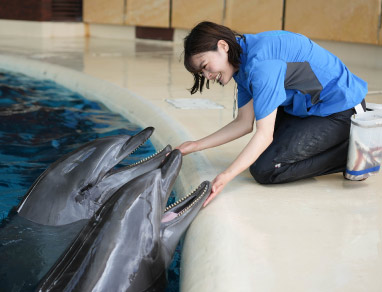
(223, 45)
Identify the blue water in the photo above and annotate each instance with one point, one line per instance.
(39, 122)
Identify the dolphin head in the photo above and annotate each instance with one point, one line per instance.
(133, 143)
(178, 216)
(169, 171)
(172, 222)
(98, 194)
(65, 192)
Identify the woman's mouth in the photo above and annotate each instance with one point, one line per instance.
(218, 77)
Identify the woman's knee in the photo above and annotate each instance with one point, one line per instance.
(259, 173)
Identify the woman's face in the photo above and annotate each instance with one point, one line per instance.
(214, 65)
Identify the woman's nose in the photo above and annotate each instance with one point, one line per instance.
(206, 74)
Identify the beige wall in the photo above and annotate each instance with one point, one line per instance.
(187, 13)
(340, 20)
(101, 11)
(154, 13)
(254, 16)
(343, 20)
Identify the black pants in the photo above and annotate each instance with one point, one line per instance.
(304, 147)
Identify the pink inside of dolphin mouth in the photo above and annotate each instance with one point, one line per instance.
(184, 204)
(168, 216)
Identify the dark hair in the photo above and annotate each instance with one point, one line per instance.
(204, 37)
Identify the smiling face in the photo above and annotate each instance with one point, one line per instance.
(214, 65)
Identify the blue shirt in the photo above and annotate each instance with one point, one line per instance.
(280, 68)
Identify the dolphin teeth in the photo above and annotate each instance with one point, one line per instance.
(184, 198)
(139, 146)
(146, 158)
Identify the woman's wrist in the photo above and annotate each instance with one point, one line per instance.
(197, 145)
(228, 175)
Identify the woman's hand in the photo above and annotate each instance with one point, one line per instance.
(187, 147)
(257, 145)
(217, 186)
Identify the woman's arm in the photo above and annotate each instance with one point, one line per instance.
(242, 125)
(260, 141)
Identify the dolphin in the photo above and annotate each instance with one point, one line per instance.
(129, 242)
(30, 249)
(76, 185)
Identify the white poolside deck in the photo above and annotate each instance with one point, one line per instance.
(319, 234)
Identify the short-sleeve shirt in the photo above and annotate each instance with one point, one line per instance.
(280, 68)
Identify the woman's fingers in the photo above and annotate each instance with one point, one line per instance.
(217, 187)
(186, 147)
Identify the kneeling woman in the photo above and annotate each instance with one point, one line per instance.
(301, 96)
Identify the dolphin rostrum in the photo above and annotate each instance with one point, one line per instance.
(129, 242)
(76, 185)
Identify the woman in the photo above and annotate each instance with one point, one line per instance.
(301, 96)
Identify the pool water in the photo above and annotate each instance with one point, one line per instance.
(39, 122)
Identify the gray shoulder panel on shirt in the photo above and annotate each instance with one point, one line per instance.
(300, 76)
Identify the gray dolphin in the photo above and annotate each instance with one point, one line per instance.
(129, 242)
(76, 185)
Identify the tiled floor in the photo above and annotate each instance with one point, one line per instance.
(319, 234)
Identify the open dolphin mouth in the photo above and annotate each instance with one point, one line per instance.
(116, 177)
(139, 146)
(152, 156)
(186, 203)
(145, 134)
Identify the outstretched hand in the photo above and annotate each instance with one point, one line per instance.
(218, 183)
(187, 147)
(217, 186)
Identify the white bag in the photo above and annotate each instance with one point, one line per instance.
(365, 144)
